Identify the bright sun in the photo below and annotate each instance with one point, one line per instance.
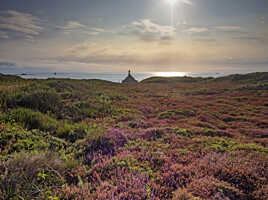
(172, 2)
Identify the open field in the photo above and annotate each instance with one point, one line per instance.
(164, 138)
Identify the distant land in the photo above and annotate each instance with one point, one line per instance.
(114, 77)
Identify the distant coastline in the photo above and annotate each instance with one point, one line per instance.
(114, 77)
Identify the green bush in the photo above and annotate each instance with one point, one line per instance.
(222, 145)
(99, 106)
(41, 100)
(14, 138)
(31, 119)
(210, 132)
(10, 99)
(72, 132)
(184, 132)
(85, 109)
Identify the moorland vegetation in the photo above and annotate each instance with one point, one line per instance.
(178, 138)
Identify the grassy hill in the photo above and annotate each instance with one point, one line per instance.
(164, 138)
(252, 77)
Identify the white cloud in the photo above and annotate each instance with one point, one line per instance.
(77, 27)
(29, 38)
(230, 28)
(150, 31)
(19, 22)
(195, 30)
(71, 25)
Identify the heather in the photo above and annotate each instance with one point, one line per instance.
(164, 138)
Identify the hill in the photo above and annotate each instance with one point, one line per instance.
(251, 77)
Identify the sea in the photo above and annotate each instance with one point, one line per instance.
(114, 77)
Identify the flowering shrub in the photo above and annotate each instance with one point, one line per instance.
(157, 141)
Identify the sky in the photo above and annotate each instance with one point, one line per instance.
(112, 36)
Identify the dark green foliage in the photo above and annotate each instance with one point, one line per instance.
(100, 106)
(72, 132)
(85, 109)
(41, 100)
(184, 132)
(155, 133)
(251, 77)
(10, 79)
(259, 86)
(222, 145)
(32, 119)
(14, 138)
(213, 133)
(60, 86)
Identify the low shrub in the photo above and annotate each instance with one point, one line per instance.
(72, 132)
(183, 194)
(28, 176)
(173, 113)
(262, 193)
(214, 133)
(222, 145)
(210, 188)
(184, 132)
(40, 100)
(31, 119)
(153, 133)
(14, 138)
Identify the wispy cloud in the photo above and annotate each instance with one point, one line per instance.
(23, 23)
(90, 53)
(77, 27)
(230, 28)
(147, 30)
(72, 25)
(263, 20)
(3, 35)
(195, 30)
(260, 39)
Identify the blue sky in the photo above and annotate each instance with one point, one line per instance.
(144, 35)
